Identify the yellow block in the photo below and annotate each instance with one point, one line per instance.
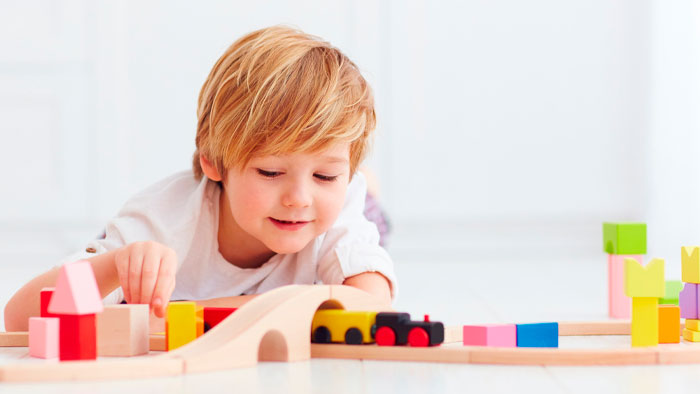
(690, 335)
(181, 325)
(645, 321)
(200, 320)
(339, 321)
(645, 281)
(690, 264)
(692, 324)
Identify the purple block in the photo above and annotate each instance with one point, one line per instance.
(499, 335)
(688, 301)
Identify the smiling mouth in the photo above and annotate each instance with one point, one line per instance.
(289, 221)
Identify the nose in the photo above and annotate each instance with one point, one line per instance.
(297, 194)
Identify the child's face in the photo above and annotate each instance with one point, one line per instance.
(287, 201)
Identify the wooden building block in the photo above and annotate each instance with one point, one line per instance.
(78, 337)
(214, 315)
(538, 335)
(181, 324)
(669, 324)
(122, 330)
(692, 324)
(619, 305)
(688, 301)
(690, 264)
(76, 291)
(673, 289)
(645, 281)
(625, 238)
(691, 336)
(15, 339)
(199, 316)
(645, 321)
(45, 299)
(43, 337)
(496, 335)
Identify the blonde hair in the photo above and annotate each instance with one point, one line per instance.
(278, 90)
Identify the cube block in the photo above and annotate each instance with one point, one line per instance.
(214, 316)
(673, 289)
(497, 335)
(538, 335)
(669, 324)
(625, 238)
(619, 305)
(78, 337)
(645, 281)
(122, 330)
(45, 299)
(645, 321)
(43, 337)
(688, 301)
(690, 264)
(181, 324)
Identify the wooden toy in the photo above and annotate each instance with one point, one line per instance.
(673, 289)
(498, 335)
(690, 264)
(76, 300)
(340, 326)
(688, 301)
(45, 299)
(645, 281)
(692, 324)
(691, 335)
(625, 238)
(669, 324)
(43, 337)
(14, 339)
(199, 318)
(645, 321)
(538, 335)
(214, 315)
(619, 305)
(181, 324)
(397, 329)
(122, 330)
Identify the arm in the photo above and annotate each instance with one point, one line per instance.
(373, 283)
(25, 303)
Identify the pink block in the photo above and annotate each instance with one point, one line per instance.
(499, 335)
(43, 337)
(76, 291)
(688, 301)
(619, 305)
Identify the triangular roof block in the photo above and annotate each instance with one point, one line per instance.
(76, 291)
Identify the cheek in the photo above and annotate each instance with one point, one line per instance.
(333, 202)
(249, 205)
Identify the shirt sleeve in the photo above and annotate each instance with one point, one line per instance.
(351, 245)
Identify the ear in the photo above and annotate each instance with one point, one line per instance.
(209, 170)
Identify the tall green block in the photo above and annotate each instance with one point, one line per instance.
(625, 238)
(673, 288)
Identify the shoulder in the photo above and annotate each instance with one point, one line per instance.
(174, 191)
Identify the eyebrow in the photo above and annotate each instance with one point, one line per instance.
(335, 159)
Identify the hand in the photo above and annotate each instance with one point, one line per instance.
(147, 274)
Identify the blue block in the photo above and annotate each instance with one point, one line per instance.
(538, 335)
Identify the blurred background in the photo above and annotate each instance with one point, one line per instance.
(506, 129)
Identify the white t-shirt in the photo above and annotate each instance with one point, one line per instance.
(183, 214)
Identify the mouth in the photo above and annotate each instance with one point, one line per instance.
(289, 225)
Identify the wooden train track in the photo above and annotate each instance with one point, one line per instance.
(275, 327)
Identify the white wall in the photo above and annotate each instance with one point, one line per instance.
(505, 127)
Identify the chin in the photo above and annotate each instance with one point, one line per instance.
(287, 247)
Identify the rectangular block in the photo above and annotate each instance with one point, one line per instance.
(688, 301)
(46, 294)
(619, 305)
(673, 289)
(647, 281)
(690, 264)
(645, 321)
(200, 320)
(691, 336)
(496, 335)
(669, 323)
(181, 324)
(692, 324)
(538, 335)
(122, 330)
(625, 238)
(43, 337)
(214, 316)
(78, 337)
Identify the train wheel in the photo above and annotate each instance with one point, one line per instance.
(322, 335)
(417, 337)
(385, 336)
(353, 336)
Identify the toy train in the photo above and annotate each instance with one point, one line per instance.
(384, 328)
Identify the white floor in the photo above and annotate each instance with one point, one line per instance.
(455, 292)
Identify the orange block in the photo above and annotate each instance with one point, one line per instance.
(669, 324)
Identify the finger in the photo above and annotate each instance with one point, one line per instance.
(164, 285)
(149, 274)
(121, 260)
(135, 263)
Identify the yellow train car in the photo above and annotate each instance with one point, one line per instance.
(340, 326)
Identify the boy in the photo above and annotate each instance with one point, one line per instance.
(274, 198)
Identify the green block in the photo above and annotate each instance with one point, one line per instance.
(625, 238)
(673, 287)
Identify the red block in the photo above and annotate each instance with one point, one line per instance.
(214, 315)
(78, 337)
(46, 294)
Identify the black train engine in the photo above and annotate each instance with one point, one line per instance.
(397, 328)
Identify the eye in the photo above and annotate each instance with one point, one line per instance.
(326, 178)
(268, 174)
